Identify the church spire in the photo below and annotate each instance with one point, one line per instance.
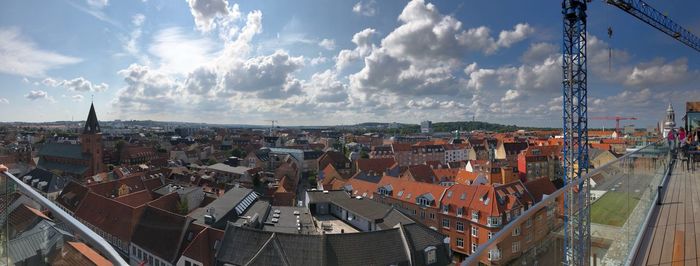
(91, 124)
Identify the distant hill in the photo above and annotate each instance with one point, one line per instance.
(442, 127)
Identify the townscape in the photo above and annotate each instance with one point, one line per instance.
(207, 195)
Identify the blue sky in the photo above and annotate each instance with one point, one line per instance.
(331, 62)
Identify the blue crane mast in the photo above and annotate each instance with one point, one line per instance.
(577, 227)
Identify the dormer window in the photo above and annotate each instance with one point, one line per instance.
(475, 216)
(460, 211)
(445, 208)
(430, 255)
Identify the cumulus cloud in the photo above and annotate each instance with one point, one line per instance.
(423, 55)
(659, 73)
(327, 44)
(365, 8)
(511, 95)
(36, 95)
(210, 13)
(78, 84)
(364, 45)
(22, 57)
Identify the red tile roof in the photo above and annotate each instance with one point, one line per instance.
(362, 188)
(167, 202)
(376, 165)
(111, 216)
(89, 253)
(539, 187)
(135, 199)
(466, 177)
(107, 189)
(398, 147)
(421, 173)
(407, 190)
(202, 248)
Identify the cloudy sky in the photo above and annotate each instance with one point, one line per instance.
(313, 62)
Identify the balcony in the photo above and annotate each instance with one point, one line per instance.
(627, 225)
(37, 232)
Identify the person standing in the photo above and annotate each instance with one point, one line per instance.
(671, 138)
(681, 137)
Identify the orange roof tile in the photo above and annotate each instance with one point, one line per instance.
(89, 253)
(407, 190)
(362, 187)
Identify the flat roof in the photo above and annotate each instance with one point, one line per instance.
(283, 219)
(229, 169)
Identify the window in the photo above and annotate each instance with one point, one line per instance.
(494, 254)
(460, 242)
(475, 215)
(474, 246)
(460, 226)
(475, 231)
(516, 231)
(490, 235)
(430, 256)
(445, 222)
(139, 254)
(449, 194)
(460, 210)
(528, 237)
(432, 216)
(516, 246)
(422, 201)
(494, 221)
(414, 212)
(422, 214)
(133, 249)
(528, 223)
(445, 208)
(188, 263)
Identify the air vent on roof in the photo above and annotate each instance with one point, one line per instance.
(275, 220)
(277, 211)
(296, 212)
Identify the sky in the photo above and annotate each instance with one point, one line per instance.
(315, 62)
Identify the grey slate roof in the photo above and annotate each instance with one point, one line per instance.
(393, 218)
(245, 246)
(43, 236)
(66, 168)
(223, 207)
(63, 150)
(161, 233)
(55, 183)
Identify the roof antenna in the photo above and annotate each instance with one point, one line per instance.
(92, 98)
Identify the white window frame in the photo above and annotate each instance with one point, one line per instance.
(459, 225)
(460, 242)
(515, 247)
(475, 231)
(446, 221)
(516, 231)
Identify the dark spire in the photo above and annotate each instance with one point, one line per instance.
(91, 124)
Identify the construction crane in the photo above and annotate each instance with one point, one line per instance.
(272, 128)
(616, 118)
(577, 229)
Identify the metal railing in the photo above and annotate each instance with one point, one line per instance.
(79, 230)
(638, 173)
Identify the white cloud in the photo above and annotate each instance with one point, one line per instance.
(208, 13)
(364, 45)
(180, 53)
(519, 33)
(318, 60)
(77, 98)
(98, 4)
(659, 73)
(327, 44)
(365, 8)
(138, 19)
(4, 101)
(22, 57)
(36, 94)
(78, 84)
(511, 95)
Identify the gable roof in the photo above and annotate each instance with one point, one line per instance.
(54, 182)
(540, 187)
(377, 165)
(421, 173)
(204, 246)
(161, 233)
(111, 216)
(63, 150)
(408, 190)
(72, 195)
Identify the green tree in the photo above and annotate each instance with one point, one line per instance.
(182, 207)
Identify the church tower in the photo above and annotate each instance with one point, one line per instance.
(670, 121)
(91, 142)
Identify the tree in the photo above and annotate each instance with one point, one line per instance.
(256, 181)
(181, 206)
(237, 152)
